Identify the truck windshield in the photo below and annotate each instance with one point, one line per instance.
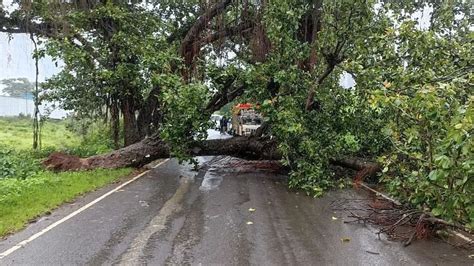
(251, 121)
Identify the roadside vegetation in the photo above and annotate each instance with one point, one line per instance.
(16, 133)
(27, 190)
(22, 200)
(82, 137)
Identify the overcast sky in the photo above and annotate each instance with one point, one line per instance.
(16, 56)
(16, 59)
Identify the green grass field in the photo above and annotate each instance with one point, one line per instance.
(23, 200)
(27, 191)
(17, 134)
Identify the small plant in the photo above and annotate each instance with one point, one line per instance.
(19, 165)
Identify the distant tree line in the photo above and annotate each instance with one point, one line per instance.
(18, 87)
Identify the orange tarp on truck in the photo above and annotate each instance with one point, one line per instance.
(243, 106)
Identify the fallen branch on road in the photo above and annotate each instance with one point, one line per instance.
(399, 222)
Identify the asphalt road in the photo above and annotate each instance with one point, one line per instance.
(230, 212)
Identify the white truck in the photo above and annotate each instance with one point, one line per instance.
(245, 120)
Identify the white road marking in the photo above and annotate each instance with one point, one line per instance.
(157, 224)
(83, 208)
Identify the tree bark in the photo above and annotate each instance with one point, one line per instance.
(363, 167)
(130, 127)
(115, 122)
(150, 149)
(242, 28)
(150, 115)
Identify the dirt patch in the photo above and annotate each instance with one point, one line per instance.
(58, 161)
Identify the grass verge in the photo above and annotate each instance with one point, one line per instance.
(23, 200)
(17, 133)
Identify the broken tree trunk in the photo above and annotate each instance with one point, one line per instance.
(364, 168)
(150, 149)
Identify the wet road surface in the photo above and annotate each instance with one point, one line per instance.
(230, 212)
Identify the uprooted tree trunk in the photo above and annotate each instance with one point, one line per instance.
(150, 149)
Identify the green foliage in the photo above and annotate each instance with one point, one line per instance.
(23, 200)
(432, 163)
(95, 137)
(185, 123)
(117, 62)
(420, 81)
(341, 124)
(411, 107)
(16, 164)
(227, 109)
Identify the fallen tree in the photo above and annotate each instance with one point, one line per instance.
(150, 149)
(209, 29)
(166, 78)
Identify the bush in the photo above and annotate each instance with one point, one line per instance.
(309, 144)
(95, 137)
(18, 164)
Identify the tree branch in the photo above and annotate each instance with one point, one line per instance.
(312, 92)
(187, 50)
(17, 25)
(332, 60)
(223, 98)
(232, 31)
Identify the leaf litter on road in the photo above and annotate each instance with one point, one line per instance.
(345, 239)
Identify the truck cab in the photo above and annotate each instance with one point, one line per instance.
(245, 119)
